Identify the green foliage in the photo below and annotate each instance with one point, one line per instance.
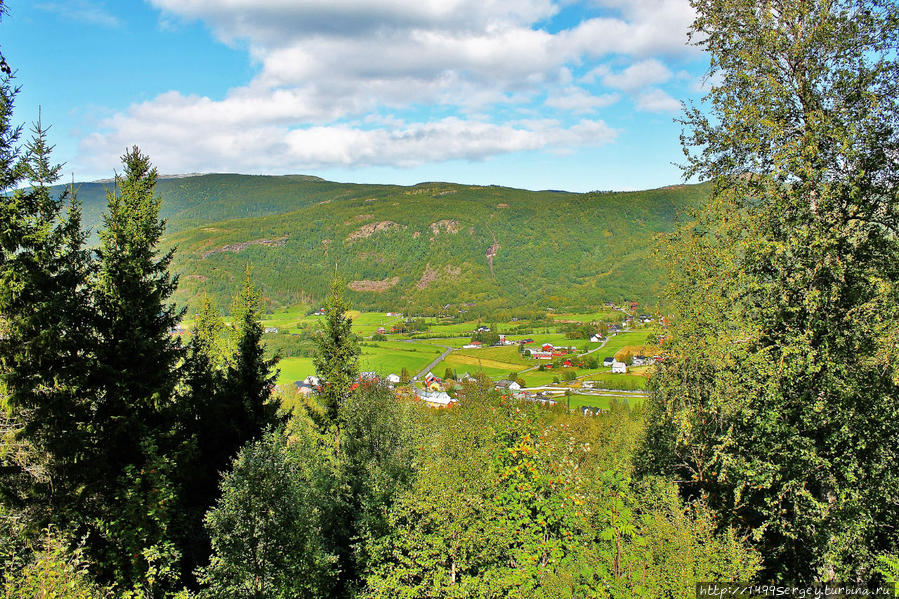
(250, 377)
(889, 569)
(139, 548)
(45, 335)
(54, 571)
(515, 500)
(264, 540)
(779, 402)
(336, 356)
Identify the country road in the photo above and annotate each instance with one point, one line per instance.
(437, 361)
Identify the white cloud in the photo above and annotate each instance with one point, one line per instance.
(578, 100)
(638, 75)
(656, 100)
(83, 11)
(273, 148)
(326, 63)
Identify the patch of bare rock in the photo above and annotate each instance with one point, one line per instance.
(376, 286)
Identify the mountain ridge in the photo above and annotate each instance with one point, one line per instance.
(416, 248)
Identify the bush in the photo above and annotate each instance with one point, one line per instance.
(55, 571)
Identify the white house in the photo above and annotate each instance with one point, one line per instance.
(596, 339)
(435, 399)
(303, 388)
(619, 367)
(507, 384)
(312, 380)
(393, 379)
(271, 329)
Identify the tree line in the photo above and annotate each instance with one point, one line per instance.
(135, 465)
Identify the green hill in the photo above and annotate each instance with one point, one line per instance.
(412, 249)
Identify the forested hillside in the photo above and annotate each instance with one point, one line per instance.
(411, 248)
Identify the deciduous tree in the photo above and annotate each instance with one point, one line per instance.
(780, 403)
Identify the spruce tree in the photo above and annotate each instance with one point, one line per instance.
(250, 377)
(336, 356)
(46, 344)
(135, 376)
(137, 355)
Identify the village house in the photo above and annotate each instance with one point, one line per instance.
(303, 388)
(381, 330)
(271, 329)
(619, 367)
(607, 363)
(473, 345)
(643, 361)
(596, 339)
(506, 384)
(435, 399)
(542, 355)
(393, 379)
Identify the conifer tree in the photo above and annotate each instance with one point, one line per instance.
(46, 345)
(250, 376)
(135, 377)
(336, 356)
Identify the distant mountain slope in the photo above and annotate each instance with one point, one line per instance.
(192, 201)
(411, 248)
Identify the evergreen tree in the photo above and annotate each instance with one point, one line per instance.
(135, 377)
(250, 377)
(137, 354)
(226, 402)
(46, 345)
(336, 356)
(205, 427)
(781, 401)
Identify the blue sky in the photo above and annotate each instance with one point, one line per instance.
(540, 94)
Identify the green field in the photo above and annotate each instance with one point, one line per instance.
(287, 319)
(608, 315)
(463, 364)
(636, 337)
(507, 354)
(386, 357)
(578, 401)
(294, 369)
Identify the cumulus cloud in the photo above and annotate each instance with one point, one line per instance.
(272, 148)
(578, 100)
(656, 100)
(324, 64)
(638, 75)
